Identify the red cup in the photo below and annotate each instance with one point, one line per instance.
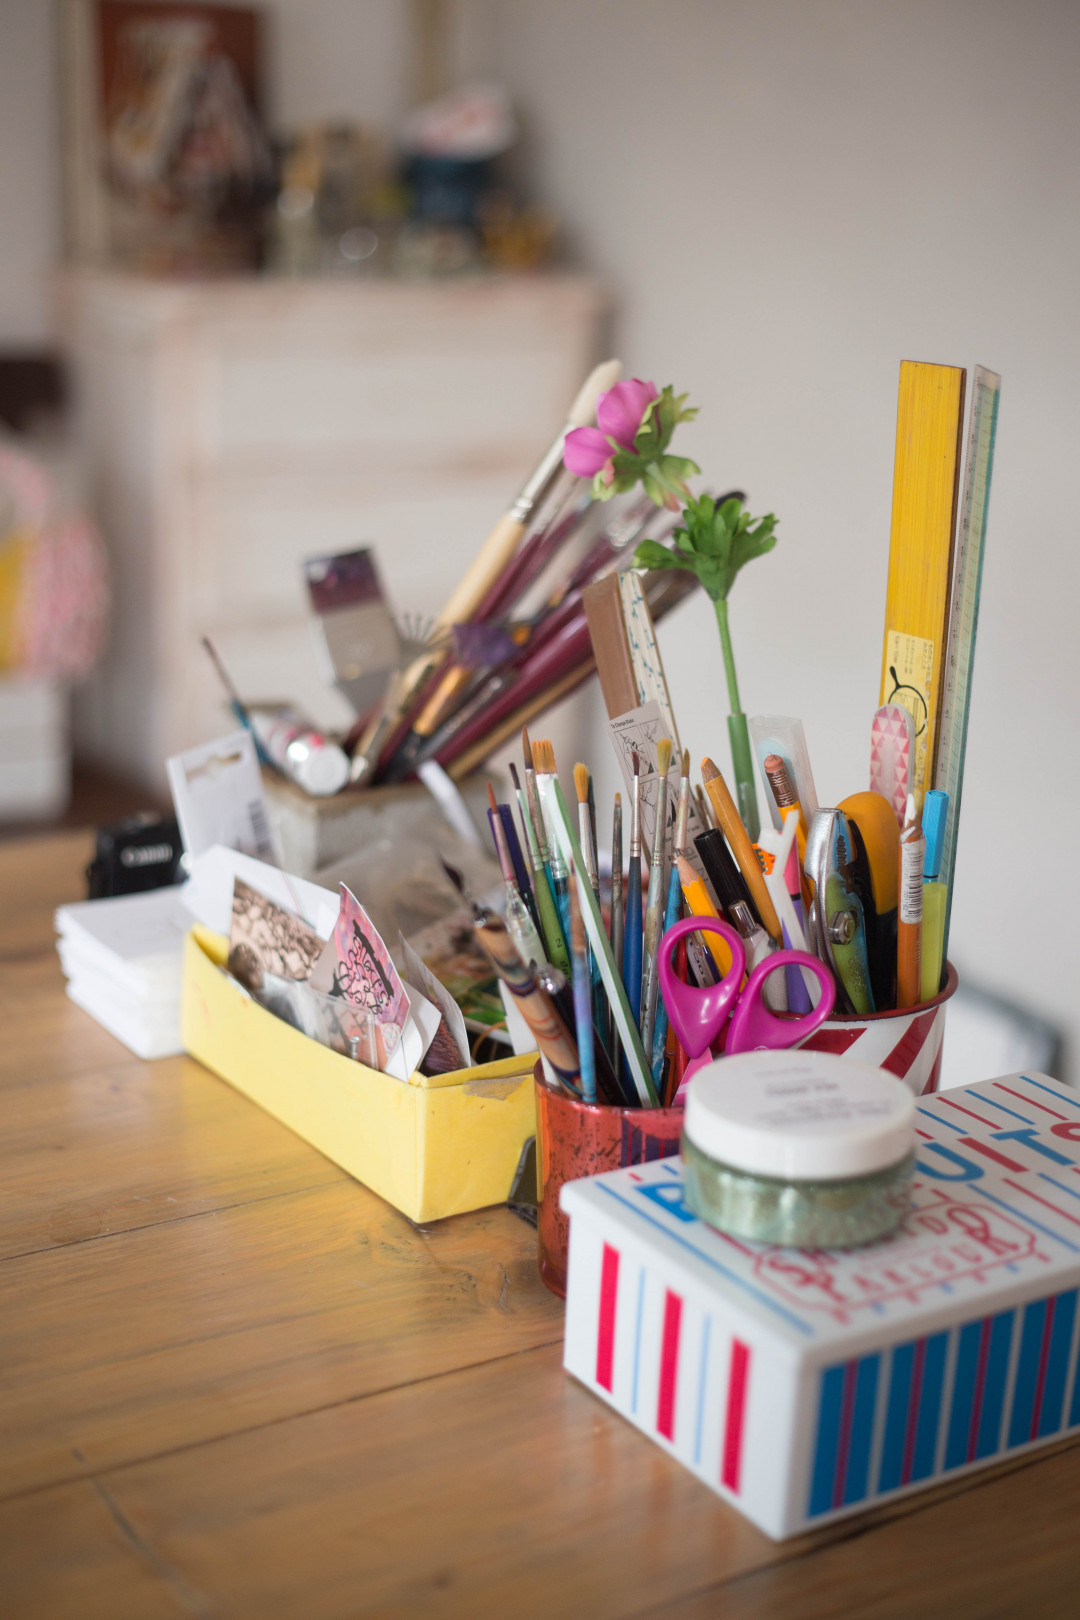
(575, 1139)
(907, 1041)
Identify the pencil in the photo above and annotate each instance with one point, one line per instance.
(743, 850)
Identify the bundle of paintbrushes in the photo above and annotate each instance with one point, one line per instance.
(588, 989)
(514, 638)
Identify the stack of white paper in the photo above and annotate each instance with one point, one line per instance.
(123, 959)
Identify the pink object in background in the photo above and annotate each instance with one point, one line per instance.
(892, 740)
(619, 414)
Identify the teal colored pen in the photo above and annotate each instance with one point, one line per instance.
(671, 916)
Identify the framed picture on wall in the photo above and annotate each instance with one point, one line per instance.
(166, 163)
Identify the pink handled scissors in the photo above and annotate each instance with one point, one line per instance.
(699, 1016)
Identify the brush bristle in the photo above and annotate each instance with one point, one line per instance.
(526, 748)
(637, 762)
(686, 762)
(492, 799)
(663, 755)
(618, 800)
(581, 783)
(514, 777)
(543, 757)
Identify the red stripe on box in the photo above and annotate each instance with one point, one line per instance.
(738, 1385)
(1044, 1356)
(993, 1124)
(913, 1411)
(992, 1153)
(843, 1442)
(1031, 1101)
(1044, 1201)
(669, 1366)
(980, 1387)
(605, 1337)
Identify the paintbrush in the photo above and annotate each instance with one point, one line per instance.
(503, 541)
(618, 920)
(632, 932)
(655, 905)
(671, 916)
(639, 1083)
(586, 837)
(544, 765)
(519, 921)
(583, 998)
(544, 888)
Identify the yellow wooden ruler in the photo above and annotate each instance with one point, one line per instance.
(926, 479)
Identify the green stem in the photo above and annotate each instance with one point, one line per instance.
(720, 604)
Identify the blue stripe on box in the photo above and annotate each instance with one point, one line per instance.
(896, 1417)
(830, 1402)
(926, 1422)
(862, 1430)
(1057, 1365)
(1027, 1373)
(1050, 1092)
(963, 1394)
(988, 1440)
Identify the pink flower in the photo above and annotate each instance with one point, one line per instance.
(619, 413)
(586, 451)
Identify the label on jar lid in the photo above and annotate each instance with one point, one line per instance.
(799, 1116)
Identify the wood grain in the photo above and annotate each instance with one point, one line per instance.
(36, 876)
(177, 1333)
(109, 1150)
(235, 1383)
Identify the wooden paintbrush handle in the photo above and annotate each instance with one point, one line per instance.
(493, 557)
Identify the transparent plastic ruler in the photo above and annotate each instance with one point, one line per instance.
(964, 616)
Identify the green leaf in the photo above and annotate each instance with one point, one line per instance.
(651, 554)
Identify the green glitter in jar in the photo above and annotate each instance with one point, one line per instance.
(801, 1149)
(794, 1214)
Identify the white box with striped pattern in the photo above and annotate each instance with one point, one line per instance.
(807, 1385)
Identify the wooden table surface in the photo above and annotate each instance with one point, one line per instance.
(233, 1382)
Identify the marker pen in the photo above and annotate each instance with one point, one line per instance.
(935, 894)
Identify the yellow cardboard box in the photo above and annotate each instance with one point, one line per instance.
(433, 1146)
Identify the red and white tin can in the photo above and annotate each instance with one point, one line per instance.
(906, 1040)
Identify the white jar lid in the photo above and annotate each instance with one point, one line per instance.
(799, 1116)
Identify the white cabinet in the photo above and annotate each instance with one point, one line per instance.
(234, 428)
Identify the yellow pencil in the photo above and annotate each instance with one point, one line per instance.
(743, 850)
(699, 903)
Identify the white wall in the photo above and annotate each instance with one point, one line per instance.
(789, 199)
(29, 170)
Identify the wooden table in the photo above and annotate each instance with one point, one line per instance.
(233, 1382)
